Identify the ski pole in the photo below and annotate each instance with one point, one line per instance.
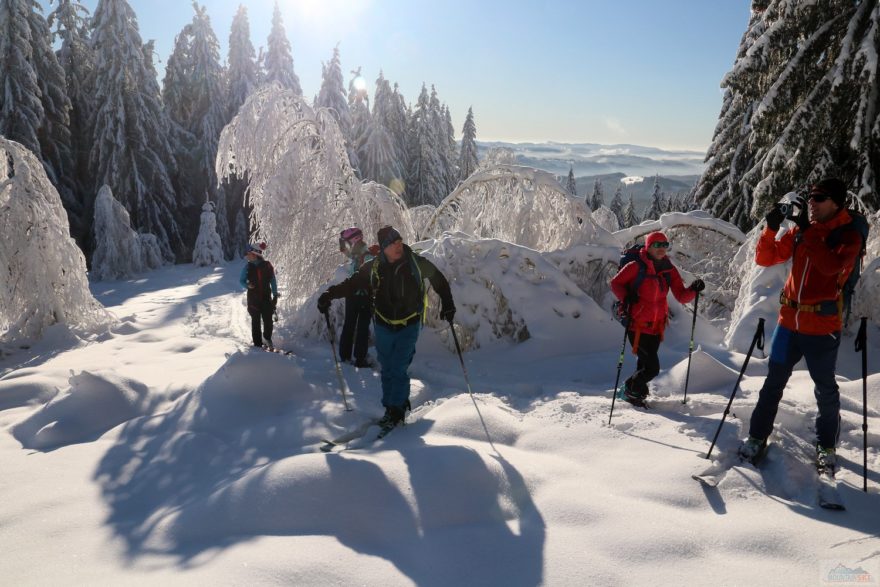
(342, 385)
(468, 383)
(617, 379)
(758, 340)
(861, 345)
(687, 375)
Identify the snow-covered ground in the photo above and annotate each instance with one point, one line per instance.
(166, 451)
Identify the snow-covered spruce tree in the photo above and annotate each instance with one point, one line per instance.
(467, 160)
(131, 150)
(450, 151)
(382, 156)
(571, 183)
(120, 252)
(519, 205)
(630, 216)
(597, 199)
(34, 107)
(302, 187)
(44, 271)
(359, 107)
(195, 99)
(242, 71)
(332, 97)
(425, 179)
(814, 68)
(69, 22)
(209, 248)
(243, 77)
(731, 153)
(278, 59)
(617, 205)
(658, 202)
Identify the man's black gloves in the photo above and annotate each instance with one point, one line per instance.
(324, 303)
(803, 217)
(447, 313)
(774, 218)
(698, 285)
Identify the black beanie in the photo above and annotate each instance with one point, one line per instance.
(386, 236)
(833, 188)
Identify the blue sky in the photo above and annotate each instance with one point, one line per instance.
(642, 72)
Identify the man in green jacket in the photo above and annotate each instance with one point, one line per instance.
(395, 281)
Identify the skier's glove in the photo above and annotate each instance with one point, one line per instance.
(774, 218)
(324, 303)
(803, 217)
(698, 285)
(447, 313)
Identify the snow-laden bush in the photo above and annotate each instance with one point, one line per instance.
(519, 205)
(605, 218)
(419, 216)
(209, 249)
(504, 294)
(120, 252)
(44, 272)
(302, 188)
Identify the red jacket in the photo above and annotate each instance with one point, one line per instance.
(817, 272)
(649, 315)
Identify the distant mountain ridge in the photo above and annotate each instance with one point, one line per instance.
(678, 169)
(591, 159)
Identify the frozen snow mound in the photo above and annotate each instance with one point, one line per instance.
(504, 294)
(757, 297)
(519, 205)
(120, 252)
(92, 405)
(302, 188)
(44, 272)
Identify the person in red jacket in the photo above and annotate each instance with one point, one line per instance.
(810, 317)
(648, 310)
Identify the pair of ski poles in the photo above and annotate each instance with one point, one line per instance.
(343, 386)
(687, 374)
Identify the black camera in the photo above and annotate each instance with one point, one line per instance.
(787, 209)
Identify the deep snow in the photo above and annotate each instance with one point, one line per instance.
(167, 451)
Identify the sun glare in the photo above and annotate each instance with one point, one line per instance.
(323, 12)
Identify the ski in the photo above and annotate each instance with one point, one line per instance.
(345, 438)
(715, 473)
(829, 496)
(272, 349)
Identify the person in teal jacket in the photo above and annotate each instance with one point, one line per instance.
(258, 277)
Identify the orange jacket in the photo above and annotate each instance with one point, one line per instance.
(817, 271)
(649, 314)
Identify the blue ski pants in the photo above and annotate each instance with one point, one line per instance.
(395, 350)
(820, 353)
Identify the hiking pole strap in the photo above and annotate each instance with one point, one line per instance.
(757, 340)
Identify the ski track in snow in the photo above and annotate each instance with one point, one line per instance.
(183, 455)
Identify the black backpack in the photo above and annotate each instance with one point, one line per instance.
(633, 253)
(860, 225)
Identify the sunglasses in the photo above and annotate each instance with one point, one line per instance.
(660, 245)
(819, 198)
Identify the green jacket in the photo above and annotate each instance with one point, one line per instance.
(398, 289)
